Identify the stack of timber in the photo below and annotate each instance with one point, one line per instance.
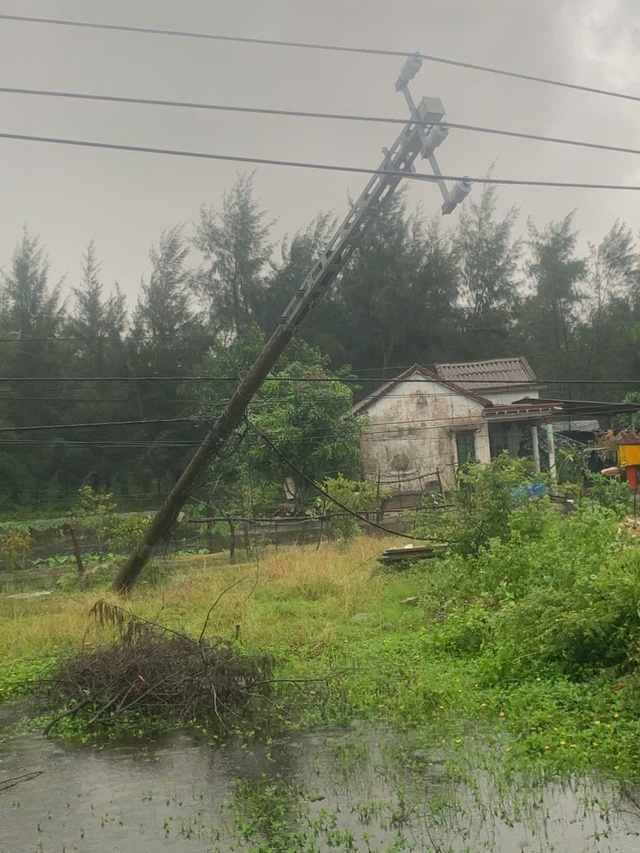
(411, 554)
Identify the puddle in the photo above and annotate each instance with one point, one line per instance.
(329, 791)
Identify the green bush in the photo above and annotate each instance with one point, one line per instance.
(127, 530)
(356, 495)
(610, 492)
(15, 547)
(467, 629)
(96, 513)
(482, 504)
(565, 600)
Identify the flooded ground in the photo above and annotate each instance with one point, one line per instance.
(356, 790)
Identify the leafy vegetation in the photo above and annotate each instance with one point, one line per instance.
(305, 418)
(15, 546)
(411, 293)
(527, 638)
(358, 496)
(481, 507)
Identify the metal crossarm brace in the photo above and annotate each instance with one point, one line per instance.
(423, 131)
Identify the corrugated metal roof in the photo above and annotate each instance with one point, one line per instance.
(488, 375)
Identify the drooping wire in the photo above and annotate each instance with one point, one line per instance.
(325, 167)
(156, 102)
(317, 46)
(97, 424)
(326, 494)
(315, 379)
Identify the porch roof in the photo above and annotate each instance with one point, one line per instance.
(583, 408)
(523, 411)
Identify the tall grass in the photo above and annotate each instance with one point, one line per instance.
(292, 595)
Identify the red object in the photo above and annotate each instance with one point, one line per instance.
(632, 477)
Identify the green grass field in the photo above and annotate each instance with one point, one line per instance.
(457, 663)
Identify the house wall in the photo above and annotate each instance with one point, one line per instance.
(412, 433)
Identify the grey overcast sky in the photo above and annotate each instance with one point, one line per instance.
(125, 200)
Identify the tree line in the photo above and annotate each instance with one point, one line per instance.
(412, 292)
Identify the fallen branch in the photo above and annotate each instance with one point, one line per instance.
(7, 784)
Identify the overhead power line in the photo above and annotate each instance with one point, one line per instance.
(97, 424)
(52, 442)
(326, 494)
(298, 164)
(405, 429)
(315, 379)
(155, 102)
(318, 46)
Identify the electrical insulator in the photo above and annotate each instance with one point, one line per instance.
(412, 65)
(435, 138)
(460, 191)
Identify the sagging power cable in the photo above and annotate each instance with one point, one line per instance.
(326, 494)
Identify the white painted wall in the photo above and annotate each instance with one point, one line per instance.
(411, 433)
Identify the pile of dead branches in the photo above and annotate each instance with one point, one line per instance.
(157, 672)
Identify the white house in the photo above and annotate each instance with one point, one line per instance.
(423, 425)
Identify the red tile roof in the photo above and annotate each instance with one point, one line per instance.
(380, 392)
(493, 374)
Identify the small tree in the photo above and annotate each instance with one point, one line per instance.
(15, 547)
(356, 495)
(304, 408)
(96, 512)
(483, 503)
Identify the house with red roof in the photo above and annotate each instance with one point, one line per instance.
(423, 425)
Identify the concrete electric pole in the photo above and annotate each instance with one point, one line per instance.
(421, 135)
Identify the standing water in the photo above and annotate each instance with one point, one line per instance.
(328, 791)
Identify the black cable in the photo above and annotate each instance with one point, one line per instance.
(133, 338)
(98, 424)
(326, 494)
(356, 370)
(104, 401)
(325, 167)
(355, 380)
(105, 444)
(471, 66)
(194, 105)
(376, 431)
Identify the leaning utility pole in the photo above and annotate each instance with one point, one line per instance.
(421, 135)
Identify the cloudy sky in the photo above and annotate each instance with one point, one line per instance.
(125, 200)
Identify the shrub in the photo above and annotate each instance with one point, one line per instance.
(15, 546)
(610, 493)
(568, 601)
(483, 503)
(127, 530)
(97, 513)
(357, 495)
(555, 594)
